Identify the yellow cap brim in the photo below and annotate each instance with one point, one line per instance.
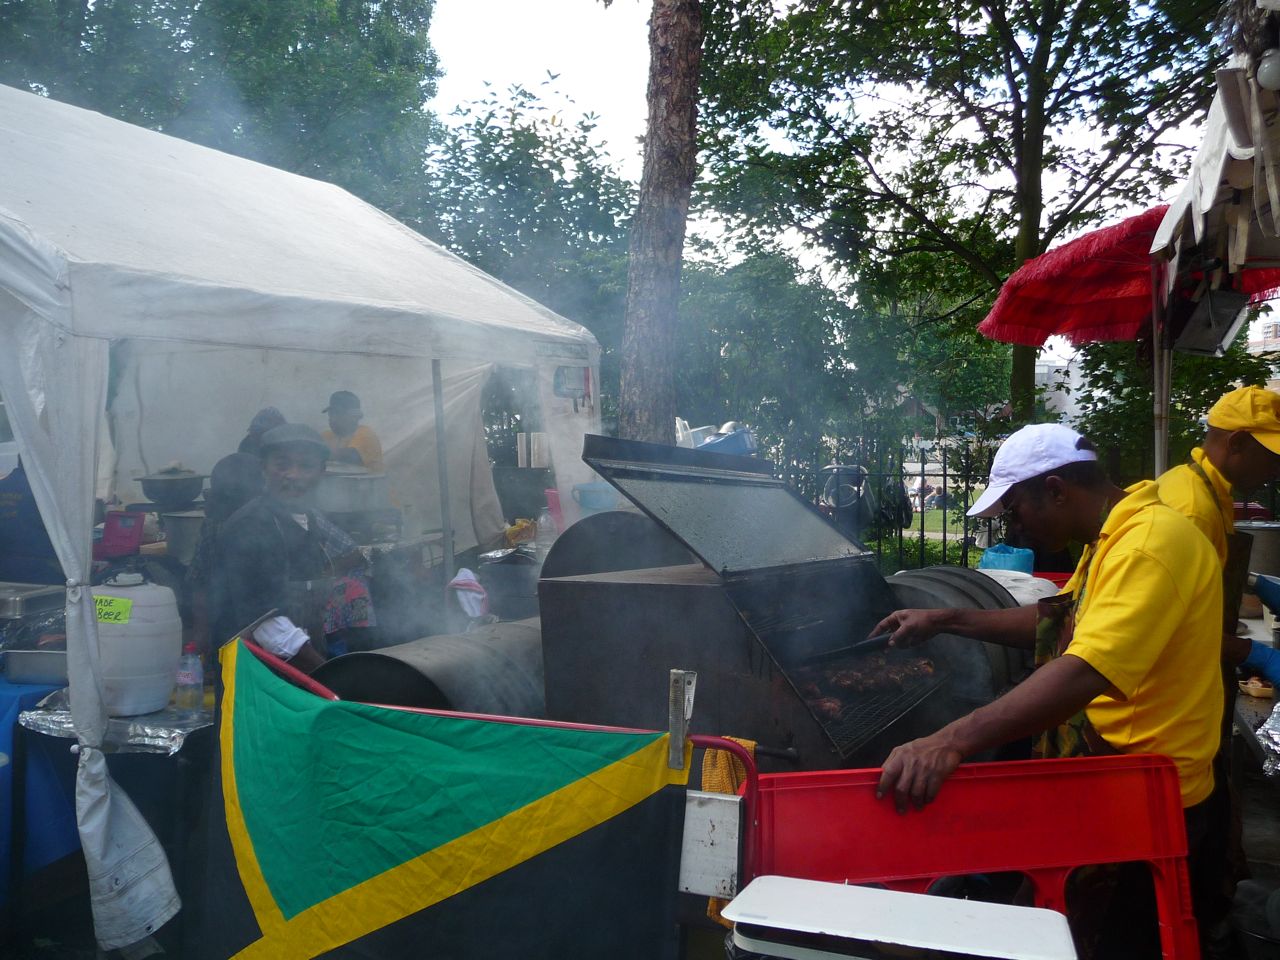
(1269, 439)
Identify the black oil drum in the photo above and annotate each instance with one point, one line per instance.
(496, 669)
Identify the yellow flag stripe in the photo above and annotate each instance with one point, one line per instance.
(255, 884)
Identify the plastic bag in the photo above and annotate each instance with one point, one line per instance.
(1001, 556)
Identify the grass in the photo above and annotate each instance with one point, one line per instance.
(954, 517)
(890, 562)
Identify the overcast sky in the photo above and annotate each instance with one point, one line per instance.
(601, 56)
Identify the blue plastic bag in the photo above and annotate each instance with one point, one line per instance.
(1001, 556)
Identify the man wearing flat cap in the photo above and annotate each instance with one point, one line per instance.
(349, 440)
(1127, 655)
(1241, 451)
(278, 553)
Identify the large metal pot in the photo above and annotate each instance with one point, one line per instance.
(173, 490)
(347, 491)
(1265, 556)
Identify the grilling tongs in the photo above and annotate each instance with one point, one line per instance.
(877, 642)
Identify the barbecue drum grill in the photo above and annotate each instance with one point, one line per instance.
(773, 595)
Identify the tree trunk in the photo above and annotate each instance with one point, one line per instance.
(647, 403)
(1022, 381)
(1030, 202)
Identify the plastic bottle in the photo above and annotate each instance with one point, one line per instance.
(546, 533)
(189, 695)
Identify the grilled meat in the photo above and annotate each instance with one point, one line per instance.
(825, 708)
(827, 689)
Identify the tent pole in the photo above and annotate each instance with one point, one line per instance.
(1161, 361)
(442, 465)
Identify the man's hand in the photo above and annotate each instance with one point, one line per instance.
(914, 771)
(909, 628)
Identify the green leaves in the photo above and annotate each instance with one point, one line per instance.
(334, 89)
(1116, 400)
(935, 147)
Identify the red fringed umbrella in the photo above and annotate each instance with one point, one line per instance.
(1097, 287)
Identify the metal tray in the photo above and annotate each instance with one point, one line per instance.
(35, 666)
(21, 599)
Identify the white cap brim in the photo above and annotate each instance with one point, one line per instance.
(988, 505)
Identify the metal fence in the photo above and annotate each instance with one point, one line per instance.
(907, 503)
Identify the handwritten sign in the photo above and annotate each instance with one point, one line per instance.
(113, 609)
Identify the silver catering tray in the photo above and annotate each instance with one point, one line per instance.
(35, 666)
(22, 599)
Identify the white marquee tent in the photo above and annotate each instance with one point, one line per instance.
(154, 294)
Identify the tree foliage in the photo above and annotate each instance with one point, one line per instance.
(1116, 401)
(334, 89)
(977, 131)
(536, 201)
(760, 342)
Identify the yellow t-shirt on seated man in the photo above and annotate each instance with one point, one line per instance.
(349, 440)
(1204, 500)
(1149, 621)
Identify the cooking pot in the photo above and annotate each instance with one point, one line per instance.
(352, 490)
(173, 489)
(1265, 556)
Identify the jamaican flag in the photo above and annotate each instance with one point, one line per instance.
(342, 829)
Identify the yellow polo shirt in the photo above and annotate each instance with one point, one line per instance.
(1150, 621)
(1185, 490)
(364, 441)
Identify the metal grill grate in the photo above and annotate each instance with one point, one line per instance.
(872, 713)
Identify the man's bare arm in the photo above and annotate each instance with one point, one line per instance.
(1015, 627)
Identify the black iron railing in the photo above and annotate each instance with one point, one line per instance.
(907, 502)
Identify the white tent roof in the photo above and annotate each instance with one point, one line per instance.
(224, 250)
(109, 232)
(1229, 206)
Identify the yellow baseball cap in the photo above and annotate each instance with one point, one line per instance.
(1253, 410)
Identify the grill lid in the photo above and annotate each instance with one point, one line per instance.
(731, 511)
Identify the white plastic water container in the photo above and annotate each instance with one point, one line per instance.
(139, 643)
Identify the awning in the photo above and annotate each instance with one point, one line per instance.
(1097, 287)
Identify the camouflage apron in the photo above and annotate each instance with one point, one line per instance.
(1055, 626)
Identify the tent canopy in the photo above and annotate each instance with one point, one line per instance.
(160, 238)
(154, 293)
(1228, 210)
(226, 285)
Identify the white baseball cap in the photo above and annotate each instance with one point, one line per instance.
(1029, 452)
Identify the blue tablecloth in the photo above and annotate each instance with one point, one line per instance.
(49, 810)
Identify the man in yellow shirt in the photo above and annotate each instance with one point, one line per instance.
(1241, 450)
(349, 440)
(1138, 674)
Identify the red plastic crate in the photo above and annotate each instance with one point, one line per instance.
(121, 535)
(989, 817)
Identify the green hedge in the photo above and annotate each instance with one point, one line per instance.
(887, 553)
